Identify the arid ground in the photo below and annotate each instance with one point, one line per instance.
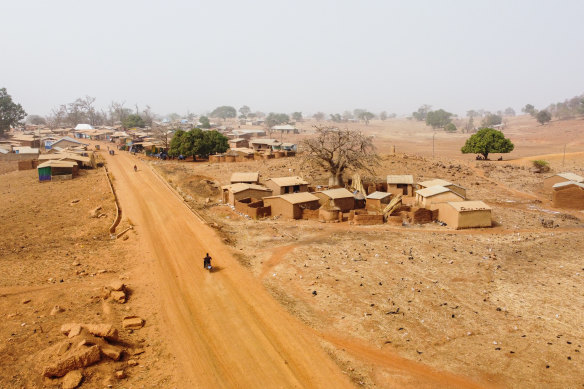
(301, 303)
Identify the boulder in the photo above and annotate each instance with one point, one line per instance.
(120, 374)
(111, 351)
(102, 330)
(72, 379)
(119, 296)
(75, 330)
(132, 322)
(117, 285)
(73, 360)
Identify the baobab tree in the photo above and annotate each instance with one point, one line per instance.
(336, 151)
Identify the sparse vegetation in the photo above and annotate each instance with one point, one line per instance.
(541, 166)
(543, 117)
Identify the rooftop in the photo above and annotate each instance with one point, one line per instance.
(400, 179)
(568, 183)
(435, 182)
(339, 193)
(288, 181)
(570, 177)
(433, 191)
(296, 198)
(378, 195)
(56, 163)
(240, 187)
(245, 177)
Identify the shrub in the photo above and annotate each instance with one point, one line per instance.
(541, 166)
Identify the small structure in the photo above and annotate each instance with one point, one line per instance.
(245, 178)
(265, 144)
(465, 214)
(283, 185)
(447, 184)
(401, 184)
(236, 192)
(568, 194)
(429, 197)
(83, 127)
(550, 181)
(286, 129)
(291, 205)
(377, 201)
(237, 143)
(290, 147)
(57, 170)
(67, 142)
(339, 198)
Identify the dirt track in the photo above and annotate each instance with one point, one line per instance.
(227, 330)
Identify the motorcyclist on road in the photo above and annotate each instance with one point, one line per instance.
(207, 261)
(135, 168)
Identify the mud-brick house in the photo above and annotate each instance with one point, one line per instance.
(465, 214)
(447, 184)
(245, 178)
(430, 197)
(238, 143)
(265, 144)
(568, 194)
(284, 185)
(401, 184)
(57, 170)
(339, 198)
(377, 201)
(291, 205)
(236, 192)
(549, 182)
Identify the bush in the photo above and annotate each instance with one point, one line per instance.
(541, 166)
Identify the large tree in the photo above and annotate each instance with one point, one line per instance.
(365, 116)
(438, 119)
(10, 112)
(543, 117)
(274, 119)
(132, 121)
(36, 120)
(530, 109)
(486, 141)
(224, 112)
(244, 111)
(492, 119)
(422, 112)
(336, 151)
(198, 143)
(297, 116)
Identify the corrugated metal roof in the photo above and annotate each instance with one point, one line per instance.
(240, 187)
(570, 177)
(56, 163)
(296, 198)
(288, 181)
(272, 142)
(61, 155)
(433, 191)
(568, 183)
(400, 179)
(378, 195)
(245, 177)
(467, 206)
(338, 193)
(435, 182)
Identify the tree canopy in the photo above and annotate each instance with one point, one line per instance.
(438, 119)
(492, 119)
(224, 112)
(297, 116)
(336, 150)
(10, 112)
(450, 127)
(274, 119)
(244, 111)
(365, 116)
(36, 119)
(197, 143)
(319, 116)
(132, 121)
(422, 112)
(530, 109)
(487, 140)
(543, 117)
(204, 122)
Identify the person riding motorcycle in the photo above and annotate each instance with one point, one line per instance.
(207, 261)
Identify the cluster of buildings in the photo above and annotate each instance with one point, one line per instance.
(398, 199)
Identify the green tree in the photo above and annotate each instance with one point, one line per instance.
(543, 117)
(274, 119)
(491, 119)
(244, 111)
(132, 121)
(297, 116)
(422, 112)
(204, 122)
(438, 119)
(530, 109)
(198, 143)
(336, 117)
(450, 127)
(509, 111)
(487, 140)
(365, 116)
(10, 112)
(224, 112)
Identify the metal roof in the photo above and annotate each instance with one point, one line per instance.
(240, 187)
(61, 156)
(339, 193)
(400, 179)
(568, 183)
(433, 191)
(569, 177)
(378, 195)
(245, 177)
(56, 163)
(296, 198)
(435, 182)
(288, 181)
(272, 142)
(467, 206)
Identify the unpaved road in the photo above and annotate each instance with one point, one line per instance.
(227, 330)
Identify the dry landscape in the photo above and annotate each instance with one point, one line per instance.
(392, 306)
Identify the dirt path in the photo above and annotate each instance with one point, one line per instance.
(226, 329)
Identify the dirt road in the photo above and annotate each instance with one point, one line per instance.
(227, 330)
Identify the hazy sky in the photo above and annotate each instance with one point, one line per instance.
(286, 56)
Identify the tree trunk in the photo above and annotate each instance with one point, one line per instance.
(336, 180)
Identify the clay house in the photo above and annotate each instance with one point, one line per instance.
(236, 192)
(339, 198)
(465, 214)
(27, 140)
(67, 142)
(260, 145)
(246, 134)
(429, 197)
(568, 194)
(238, 143)
(57, 170)
(284, 185)
(291, 205)
(550, 181)
(447, 184)
(286, 129)
(401, 184)
(377, 201)
(245, 178)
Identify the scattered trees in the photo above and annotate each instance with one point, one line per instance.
(319, 116)
(568, 109)
(297, 116)
(274, 119)
(438, 119)
(543, 117)
(509, 111)
(336, 151)
(197, 143)
(336, 117)
(36, 119)
(132, 121)
(530, 109)
(492, 119)
(487, 140)
(244, 111)
(224, 112)
(365, 116)
(422, 112)
(10, 112)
